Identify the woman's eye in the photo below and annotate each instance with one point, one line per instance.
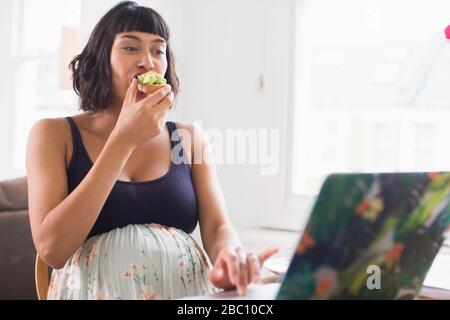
(159, 52)
(130, 49)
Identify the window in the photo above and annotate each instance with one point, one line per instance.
(46, 37)
(371, 90)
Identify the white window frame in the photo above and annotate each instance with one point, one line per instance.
(286, 210)
(21, 123)
(291, 211)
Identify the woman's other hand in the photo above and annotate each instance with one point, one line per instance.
(236, 268)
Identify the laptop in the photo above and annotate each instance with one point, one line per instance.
(369, 236)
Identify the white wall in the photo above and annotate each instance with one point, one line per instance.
(231, 45)
(6, 129)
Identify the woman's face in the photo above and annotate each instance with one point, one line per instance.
(132, 54)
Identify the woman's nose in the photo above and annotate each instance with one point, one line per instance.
(146, 62)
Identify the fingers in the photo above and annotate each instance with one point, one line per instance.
(253, 267)
(153, 100)
(232, 262)
(236, 268)
(165, 104)
(216, 274)
(246, 267)
(130, 96)
(263, 256)
(243, 272)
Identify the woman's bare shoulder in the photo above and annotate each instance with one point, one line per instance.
(55, 128)
(55, 131)
(61, 126)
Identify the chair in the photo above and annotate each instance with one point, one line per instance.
(17, 251)
(41, 277)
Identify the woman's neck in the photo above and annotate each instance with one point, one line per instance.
(104, 121)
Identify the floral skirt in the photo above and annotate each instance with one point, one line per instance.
(134, 262)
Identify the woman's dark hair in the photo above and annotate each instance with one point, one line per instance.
(92, 76)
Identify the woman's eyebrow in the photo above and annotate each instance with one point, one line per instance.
(127, 36)
(159, 40)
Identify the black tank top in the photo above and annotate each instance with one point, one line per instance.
(169, 200)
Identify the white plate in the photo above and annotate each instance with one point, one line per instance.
(278, 266)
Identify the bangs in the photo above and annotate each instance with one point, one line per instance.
(141, 19)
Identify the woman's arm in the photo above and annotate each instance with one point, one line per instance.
(232, 266)
(215, 228)
(60, 222)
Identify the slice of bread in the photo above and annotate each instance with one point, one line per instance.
(149, 88)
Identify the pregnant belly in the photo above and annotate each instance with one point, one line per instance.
(135, 262)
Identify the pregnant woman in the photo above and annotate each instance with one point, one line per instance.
(114, 193)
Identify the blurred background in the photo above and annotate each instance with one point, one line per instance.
(348, 85)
